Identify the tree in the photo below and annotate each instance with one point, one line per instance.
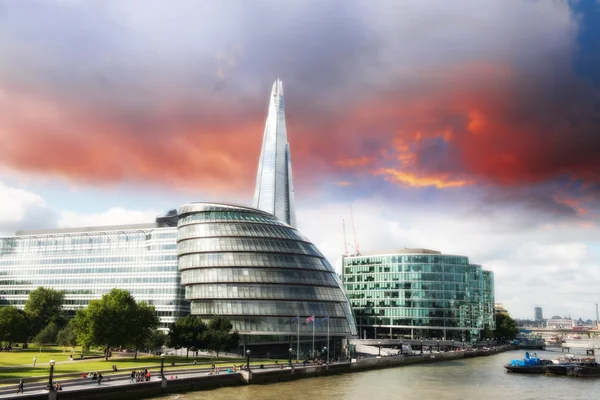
(66, 338)
(47, 335)
(144, 323)
(506, 327)
(156, 340)
(13, 324)
(107, 322)
(188, 332)
(44, 306)
(219, 336)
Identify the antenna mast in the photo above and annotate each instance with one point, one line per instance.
(354, 231)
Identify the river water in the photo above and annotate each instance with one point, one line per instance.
(475, 378)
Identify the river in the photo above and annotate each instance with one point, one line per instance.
(475, 378)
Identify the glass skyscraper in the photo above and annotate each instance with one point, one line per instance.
(274, 191)
(263, 275)
(418, 293)
(86, 263)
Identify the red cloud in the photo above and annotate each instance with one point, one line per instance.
(476, 123)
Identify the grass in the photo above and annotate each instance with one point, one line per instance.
(19, 356)
(19, 363)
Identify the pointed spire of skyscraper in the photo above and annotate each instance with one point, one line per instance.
(274, 189)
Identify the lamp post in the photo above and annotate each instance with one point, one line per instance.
(421, 347)
(248, 360)
(379, 343)
(50, 386)
(291, 350)
(162, 365)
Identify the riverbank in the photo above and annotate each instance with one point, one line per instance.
(199, 380)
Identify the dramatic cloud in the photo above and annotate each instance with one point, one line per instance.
(428, 96)
(469, 126)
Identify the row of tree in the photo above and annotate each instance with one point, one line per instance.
(115, 320)
(43, 313)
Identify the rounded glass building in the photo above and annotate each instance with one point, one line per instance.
(263, 275)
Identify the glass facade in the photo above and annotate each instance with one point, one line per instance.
(245, 264)
(422, 294)
(274, 189)
(91, 262)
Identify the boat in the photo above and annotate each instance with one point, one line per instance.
(586, 370)
(528, 365)
(566, 365)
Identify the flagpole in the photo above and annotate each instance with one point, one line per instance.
(298, 339)
(313, 352)
(328, 340)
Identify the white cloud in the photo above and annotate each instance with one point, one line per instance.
(113, 216)
(537, 262)
(20, 209)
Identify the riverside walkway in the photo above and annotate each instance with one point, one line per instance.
(194, 379)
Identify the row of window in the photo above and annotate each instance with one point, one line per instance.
(227, 216)
(68, 258)
(271, 324)
(264, 292)
(411, 303)
(253, 260)
(86, 239)
(415, 312)
(279, 308)
(410, 294)
(101, 250)
(420, 322)
(21, 272)
(257, 275)
(98, 289)
(91, 280)
(246, 244)
(410, 285)
(409, 258)
(431, 268)
(241, 230)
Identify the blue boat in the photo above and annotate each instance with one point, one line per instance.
(528, 365)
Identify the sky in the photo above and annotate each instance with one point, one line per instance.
(468, 127)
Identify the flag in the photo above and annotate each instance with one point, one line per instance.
(292, 320)
(310, 319)
(324, 319)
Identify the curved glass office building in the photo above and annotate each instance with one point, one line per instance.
(262, 274)
(418, 293)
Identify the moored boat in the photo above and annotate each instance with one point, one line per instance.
(528, 365)
(586, 370)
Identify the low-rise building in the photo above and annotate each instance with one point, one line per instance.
(419, 293)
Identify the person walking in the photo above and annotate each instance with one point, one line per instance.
(34, 360)
(99, 378)
(20, 386)
(132, 377)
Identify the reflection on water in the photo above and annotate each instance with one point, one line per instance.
(479, 378)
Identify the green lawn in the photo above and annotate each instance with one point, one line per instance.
(19, 356)
(11, 363)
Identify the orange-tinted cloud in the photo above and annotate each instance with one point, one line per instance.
(356, 162)
(441, 181)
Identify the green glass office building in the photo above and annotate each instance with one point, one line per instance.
(418, 293)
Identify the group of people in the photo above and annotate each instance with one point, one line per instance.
(140, 376)
(96, 376)
(214, 370)
(21, 387)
